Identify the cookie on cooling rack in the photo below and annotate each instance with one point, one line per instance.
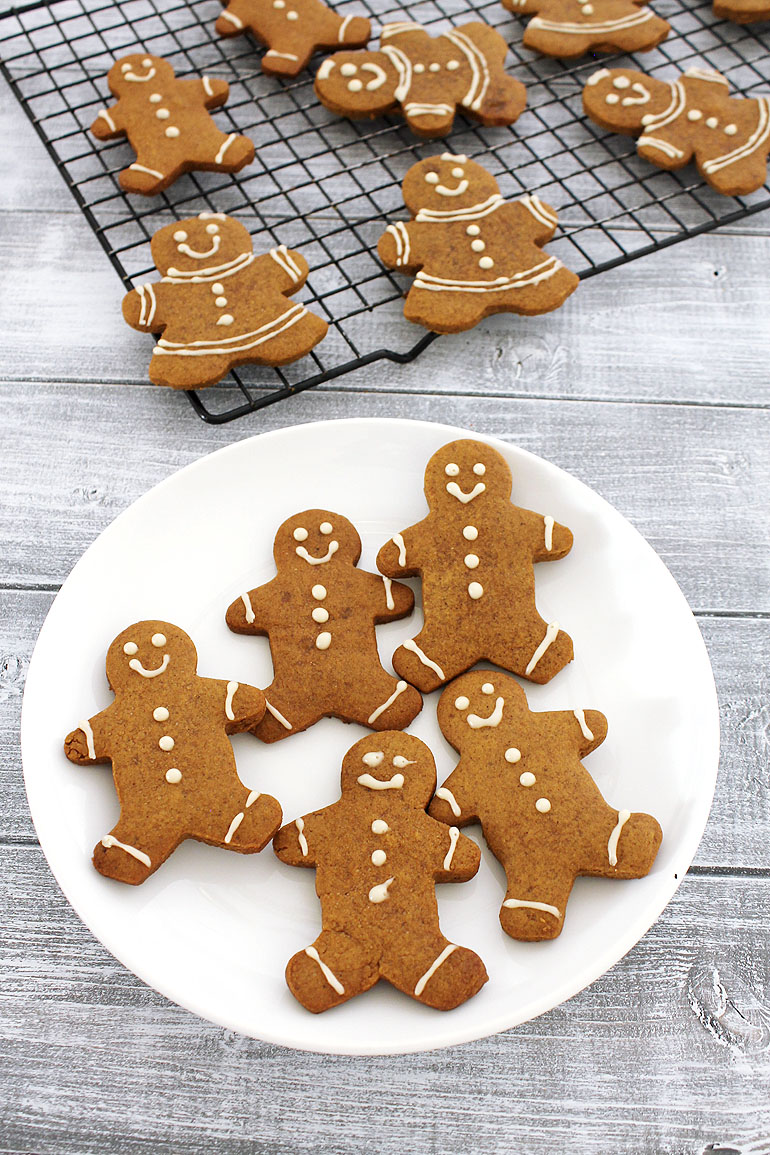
(378, 857)
(292, 30)
(427, 77)
(691, 118)
(474, 253)
(742, 11)
(166, 735)
(567, 28)
(218, 305)
(167, 124)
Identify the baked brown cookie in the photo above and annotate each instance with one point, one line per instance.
(292, 30)
(167, 124)
(475, 553)
(567, 28)
(742, 11)
(319, 614)
(218, 305)
(542, 814)
(427, 77)
(378, 857)
(166, 737)
(474, 253)
(692, 118)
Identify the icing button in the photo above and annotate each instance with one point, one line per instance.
(163, 114)
(173, 775)
(486, 263)
(473, 230)
(475, 589)
(478, 246)
(730, 129)
(694, 114)
(323, 641)
(419, 67)
(542, 805)
(172, 131)
(711, 122)
(453, 64)
(528, 779)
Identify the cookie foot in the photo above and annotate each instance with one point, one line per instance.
(530, 920)
(453, 977)
(123, 861)
(252, 827)
(331, 971)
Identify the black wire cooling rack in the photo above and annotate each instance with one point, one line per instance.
(328, 186)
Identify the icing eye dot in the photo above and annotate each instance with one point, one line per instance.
(462, 702)
(612, 98)
(319, 592)
(431, 177)
(400, 762)
(621, 82)
(211, 229)
(125, 67)
(130, 648)
(325, 527)
(158, 640)
(181, 235)
(300, 534)
(355, 85)
(349, 69)
(512, 754)
(542, 805)
(451, 470)
(479, 469)
(373, 759)
(458, 172)
(487, 688)
(146, 62)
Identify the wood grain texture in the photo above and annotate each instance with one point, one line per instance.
(668, 1052)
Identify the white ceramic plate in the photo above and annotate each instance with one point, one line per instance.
(213, 930)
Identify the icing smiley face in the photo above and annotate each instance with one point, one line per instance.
(130, 75)
(208, 241)
(142, 654)
(624, 99)
(313, 540)
(366, 82)
(446, 183)
(389, 767)
(459, 477)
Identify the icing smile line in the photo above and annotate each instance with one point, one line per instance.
(188, 252)
(454, 489)
(371, 783)
(135, 664)
(139, 79)
(475, 722)
(302, 552)
(452, 192)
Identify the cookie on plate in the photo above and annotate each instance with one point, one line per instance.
(427, 77)
(319, 614)
(166, 735)
(691, 118)
(218, 305)
(292, 30)
(568, 28)
(473, 253)
(542, 814)
(475, 553)
(167, 124)
(378, 857)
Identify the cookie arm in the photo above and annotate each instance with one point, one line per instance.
(398, 247)
(142, 307)
(282, 268)
(460, 856)
(248, 614)
(532, 217)
(294, 842)
(453, 803)
(550, 540)
(587, 728)
(88, 743)
(399, 557)
(209, 90)
(243, 705)
(389, 600)
(108, 123)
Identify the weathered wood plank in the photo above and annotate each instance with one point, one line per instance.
(694, 480)
(668, 1052)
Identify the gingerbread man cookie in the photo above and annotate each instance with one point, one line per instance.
(428, 77)
(692, 118)
(218, 306)
(319, 615)
(742, 11)
(166, 736)
(542, 814)
(292, 30)
(567, 28)
(475, 553)
(474, 253)
(378, 857)
(167, 124)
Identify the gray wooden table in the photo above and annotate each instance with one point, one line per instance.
(651, 386)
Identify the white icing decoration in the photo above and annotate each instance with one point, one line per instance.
(375, 758)
(160, 714)
(486, 263)
(400, 762)
(512, 754)
(196, 254)
(89, 735)
(231, 690)
(487, 688)
(106, 116)
(278, 715)
(217, 288)
(694, 114)
(132, 76)
(172, 131)
(284, 55)
(473, 230)
(452, 470)
(348, 69)
(398, 540)
(549, 523)
(478, 246)
(110, 840)
(535, 206)
(163, 114)
(757, 138)
(411, 645)
(223, 345)
(142, 168)
(220, 302)
(320, 615)
(454, 834)
(302, 552)
(158, 640)
(444, 191)
(400, 687)
(173, 775)
(470, 533)
(380, 893)
(130, 648)
(471, 560)
(166, 742)
(226, 319)
(355, 85)
(252, 798)
(621, 82)
(452, 65)
(234, 826)
(642, 98)
(379, 858)
(234, 20)
(300, 824)
(248, 608)
(323, 641)
(325, 69)
(515, 903)
(552, 630)
(527, 778)
(380, 76)
(380, 826)
(542, 272)
(326, 527)
(300, 534)
(421, 983)
(597, 28)
(448, 796)
(136, 665)
(388, 594)
(283, 257)
(612, 845)
(542, 805)
(597, 76)
(580, 715)
(712, 122)
(218, 159)
(205, 82)
(475, 589)
(210, 272)
(454, 489)
(474, 97)
(328, 974)
(394, 783)
(319, 592)
(462, 703)
(495, 718)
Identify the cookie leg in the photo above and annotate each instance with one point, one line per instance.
(230, 152)
(530, 912)
(424, 662)
(444, 312)
(285, 714)
(439, 974)
(143, 179)
(187, 372)
(128, 856)
(255, 819)
(627, 847)
(331, 971)
(393, 705)
(296, 340)
(537, 660)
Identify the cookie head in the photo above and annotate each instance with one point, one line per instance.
(463, 475)
(447, 183)
(197, 243)
(132, 74)
(483, 702)
(357, 83)
(315, 541)
(624, 100)
(146, 653)
(389, 766)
